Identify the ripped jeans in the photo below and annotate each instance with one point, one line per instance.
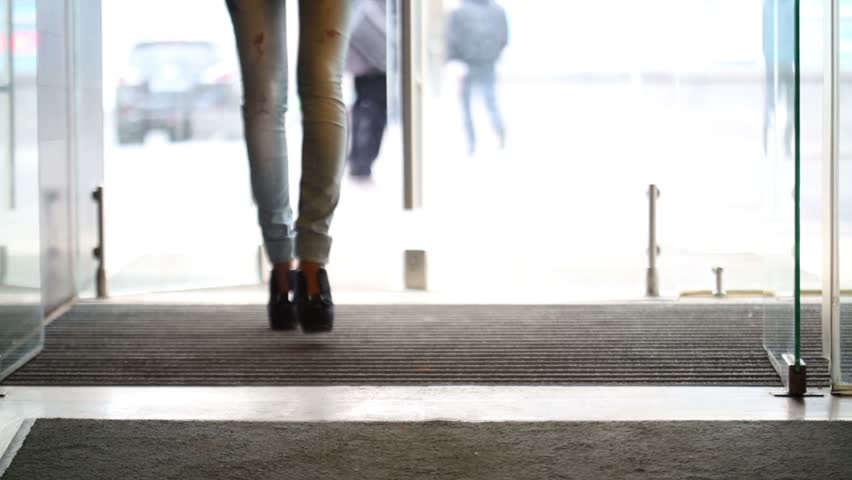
(260, 31)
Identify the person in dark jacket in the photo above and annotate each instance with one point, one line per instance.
(367, 62)
(778, 53)
(477, 34)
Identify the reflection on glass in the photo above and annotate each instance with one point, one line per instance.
(21, 332)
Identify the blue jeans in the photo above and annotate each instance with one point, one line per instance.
(484, 78)
(260, 31)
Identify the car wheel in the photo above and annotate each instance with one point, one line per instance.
(187, 130)
(181, 133)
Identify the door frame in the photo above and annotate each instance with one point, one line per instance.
(831, 196)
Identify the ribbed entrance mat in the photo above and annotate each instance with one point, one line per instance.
(94, 450)
(658, 344)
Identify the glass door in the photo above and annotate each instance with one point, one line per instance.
(179, 210)
(544, 127)
(782, 137)
(546, 132)
(180, 213)
(21, 332)
(534, 172)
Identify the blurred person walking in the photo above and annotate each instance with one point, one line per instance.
(303, 296)
(367, 62)
(477, 34)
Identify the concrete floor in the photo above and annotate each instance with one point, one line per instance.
(466, 404)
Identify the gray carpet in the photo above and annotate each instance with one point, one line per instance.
(92, 450)
(656, 344)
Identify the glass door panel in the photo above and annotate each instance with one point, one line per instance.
(179, 210)
(546, 197)
(21, 332)
(87, 136)
(782, 338)
(370, 227)
(180, 213)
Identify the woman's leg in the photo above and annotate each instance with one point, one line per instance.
(322, 50)
(489, 93)
(260, 30)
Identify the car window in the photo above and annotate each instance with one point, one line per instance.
(150, 57)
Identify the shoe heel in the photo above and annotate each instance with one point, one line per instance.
(316, 318)
(316, 315)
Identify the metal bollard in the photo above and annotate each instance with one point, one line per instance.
(652, 278)
(720, 292)
(415, 270)
(99, 251)
(264, 266)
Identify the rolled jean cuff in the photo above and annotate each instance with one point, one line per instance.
(313, 247)
(279, 251)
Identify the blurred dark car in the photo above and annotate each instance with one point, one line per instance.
(188, 89)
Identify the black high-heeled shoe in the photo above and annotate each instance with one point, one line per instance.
(281, 309)
(315, 313)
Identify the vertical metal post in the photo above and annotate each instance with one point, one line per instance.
(720, 291)
(415, 270)
(264, 267)
(831, 198)
(99, 251)
(652, 279)
(412, 54)
(412, 94)
(72, 145)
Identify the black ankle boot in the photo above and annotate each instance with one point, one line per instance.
(316, 314)
(282, 310)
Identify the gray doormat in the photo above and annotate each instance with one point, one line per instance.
(616, 344)
(93, 449)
